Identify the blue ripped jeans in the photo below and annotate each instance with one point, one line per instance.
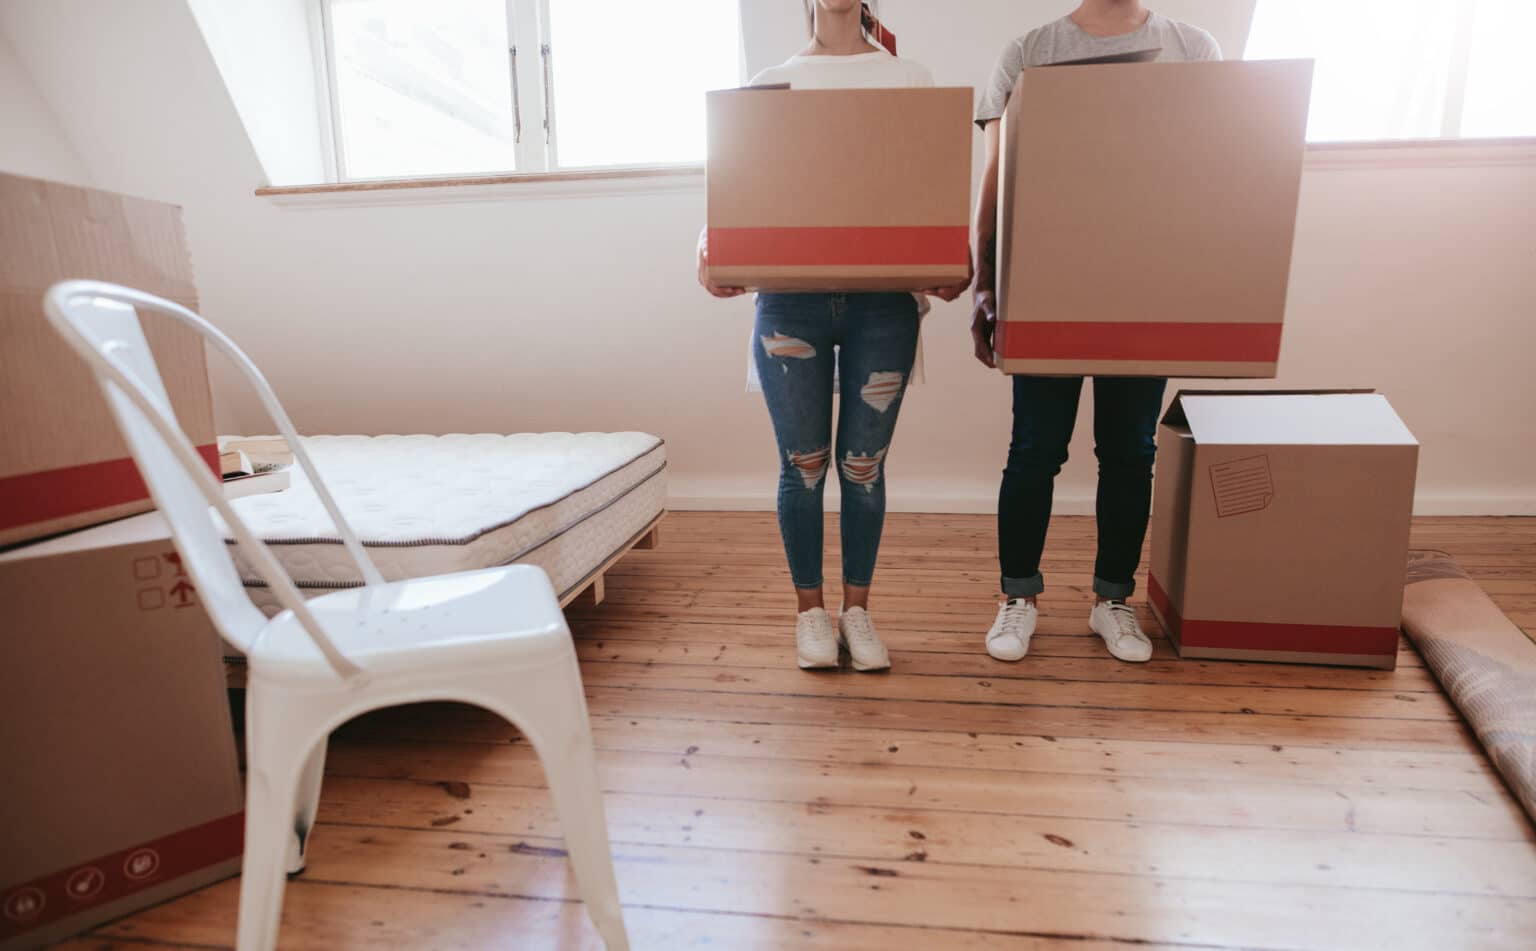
(871, 339)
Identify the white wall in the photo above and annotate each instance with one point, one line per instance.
(264, 52)
(581, 313)
(31, 139)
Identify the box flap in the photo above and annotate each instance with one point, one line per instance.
(148, 527)
(1292, 419)
(1135, 56)
(1176, 417)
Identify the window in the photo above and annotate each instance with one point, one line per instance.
(1408, 69)
(425, 88)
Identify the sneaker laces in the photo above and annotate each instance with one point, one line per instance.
(1125, 621)
(1015, 616)
(858, 627)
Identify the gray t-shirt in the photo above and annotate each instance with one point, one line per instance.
(1062, 41)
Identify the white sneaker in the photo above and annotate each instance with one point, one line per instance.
(815, 640)
(1115, 621)
(864, 644)
(1015, 625)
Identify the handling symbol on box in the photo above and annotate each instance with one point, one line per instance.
(151, 599)
(1242, 486)
(85, 883)
(174, 560)
(182, 593)
(24, 904)
(146, 569)
(141, 864)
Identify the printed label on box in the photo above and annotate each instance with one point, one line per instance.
(1242, 486)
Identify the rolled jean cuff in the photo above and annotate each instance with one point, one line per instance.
(1113, 590)
(809, 587)
(1024, 587)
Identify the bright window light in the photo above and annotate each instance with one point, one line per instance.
(1407, 69)
(437, 88)
(1501, 79)
(630, 77)
(1382, 65)
(422, 88)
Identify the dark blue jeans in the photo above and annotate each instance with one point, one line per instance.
(1125, 414)
(871, 340)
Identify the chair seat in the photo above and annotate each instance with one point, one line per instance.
(467, 620)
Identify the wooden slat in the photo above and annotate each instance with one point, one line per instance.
(877, 744)
(346, 917)
(878, 833)
(1239, 804)
(1226, 911)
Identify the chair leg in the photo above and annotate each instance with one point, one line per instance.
(309, 805)
(275, 759)
(553, 712)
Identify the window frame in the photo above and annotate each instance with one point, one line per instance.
(531, 76)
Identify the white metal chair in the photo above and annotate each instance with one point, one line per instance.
(494, 638)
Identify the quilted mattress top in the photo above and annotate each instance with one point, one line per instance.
(439, 490)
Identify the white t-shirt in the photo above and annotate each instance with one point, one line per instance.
(876, 70)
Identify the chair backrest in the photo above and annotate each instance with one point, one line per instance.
(100, 322)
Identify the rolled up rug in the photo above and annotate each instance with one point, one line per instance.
(1483, 660)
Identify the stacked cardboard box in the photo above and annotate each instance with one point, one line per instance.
(62, 463)
(839, 189)
(122, 786)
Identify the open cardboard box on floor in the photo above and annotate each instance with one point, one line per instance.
(122, 786)
(839, 189)
(1145, 217)
(62, 463)
(1280, 526)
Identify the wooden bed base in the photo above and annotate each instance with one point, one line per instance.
(648, 537)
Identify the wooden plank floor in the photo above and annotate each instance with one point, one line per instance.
(1069, 801)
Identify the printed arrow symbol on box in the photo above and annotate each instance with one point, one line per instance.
(182, 592)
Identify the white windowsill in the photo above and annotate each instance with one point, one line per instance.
(524, 186)
(1322, 156)
(1421, 153)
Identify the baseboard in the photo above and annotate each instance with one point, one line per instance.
(1075, 504)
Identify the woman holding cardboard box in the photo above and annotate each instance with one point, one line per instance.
(1126, 409)
(867, 341)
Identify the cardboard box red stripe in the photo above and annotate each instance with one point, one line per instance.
(831, 247)
(28, 905)
(1254, 636)
(1165, 608)
(54, 493)
(1108, 340)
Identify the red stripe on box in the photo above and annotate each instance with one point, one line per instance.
(839, 247)
(34, 497)
(1165, 608)
(1124, 340)
(28, 905)
(1257, 636)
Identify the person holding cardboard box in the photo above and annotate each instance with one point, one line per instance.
(868, 342)
(1126, 409)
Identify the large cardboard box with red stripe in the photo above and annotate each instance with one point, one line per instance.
(121, 784)
(839, 189)
(62, 463)
(1280, 526)
(1145, 218)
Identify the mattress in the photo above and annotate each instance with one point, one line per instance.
(425, 505)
